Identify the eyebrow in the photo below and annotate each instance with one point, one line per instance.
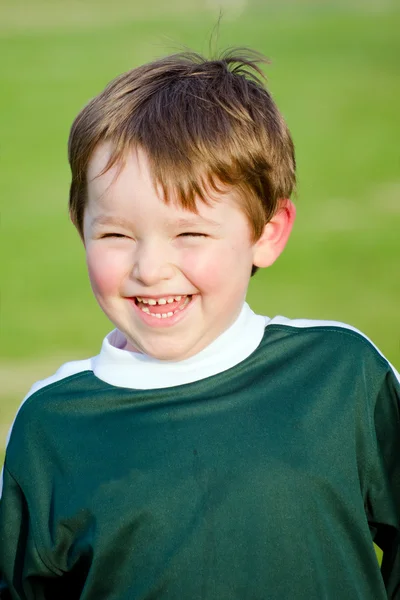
(197, 221)
(118, 221)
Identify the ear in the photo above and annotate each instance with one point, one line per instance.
(275, 235)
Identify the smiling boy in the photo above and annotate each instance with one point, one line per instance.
(206, 452)
(142, 254)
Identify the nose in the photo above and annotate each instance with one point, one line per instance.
(152, 263)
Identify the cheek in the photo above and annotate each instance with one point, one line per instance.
(202, 268)
(105, 272)
(220, 266)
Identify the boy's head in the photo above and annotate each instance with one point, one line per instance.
(201, 123)
(167, 147)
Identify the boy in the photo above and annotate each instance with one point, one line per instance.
(206, 452)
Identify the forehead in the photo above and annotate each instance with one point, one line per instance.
(100, 178)
(130, 178)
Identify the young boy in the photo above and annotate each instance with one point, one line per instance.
(206, 452)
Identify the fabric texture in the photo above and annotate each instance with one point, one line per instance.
(267, 480)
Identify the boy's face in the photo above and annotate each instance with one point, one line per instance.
(170, 280)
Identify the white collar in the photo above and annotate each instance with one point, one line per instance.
(134, 370)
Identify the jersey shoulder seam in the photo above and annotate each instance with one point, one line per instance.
(333, 329)
(53, 384)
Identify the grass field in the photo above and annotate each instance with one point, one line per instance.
(334, 73)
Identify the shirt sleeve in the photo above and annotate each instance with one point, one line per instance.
(383, 502)
(21, 566)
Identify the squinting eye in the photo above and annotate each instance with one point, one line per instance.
(192, 234)
(113, 235)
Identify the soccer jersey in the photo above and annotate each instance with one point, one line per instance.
(261, 469)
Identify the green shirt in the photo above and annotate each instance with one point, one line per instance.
(267, 481)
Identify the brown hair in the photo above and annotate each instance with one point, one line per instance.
(201, 123)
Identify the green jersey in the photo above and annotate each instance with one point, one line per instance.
(268, 480)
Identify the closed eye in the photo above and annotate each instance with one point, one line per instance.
(113, 235)
(192, 234)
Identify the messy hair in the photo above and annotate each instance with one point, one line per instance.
(203, 124)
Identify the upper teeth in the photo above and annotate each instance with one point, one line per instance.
(153, 301)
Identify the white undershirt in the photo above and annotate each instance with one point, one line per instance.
(122, 368)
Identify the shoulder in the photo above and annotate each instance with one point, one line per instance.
(66, 370)
(30, 413)
(62, 375)
(38, 390)
(330, 340)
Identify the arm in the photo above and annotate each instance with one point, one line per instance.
(21, 566)
(383, 502)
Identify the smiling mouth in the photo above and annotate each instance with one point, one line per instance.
(163, 308)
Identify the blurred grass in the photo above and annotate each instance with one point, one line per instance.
(334, 74)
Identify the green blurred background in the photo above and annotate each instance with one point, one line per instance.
(335, 76)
